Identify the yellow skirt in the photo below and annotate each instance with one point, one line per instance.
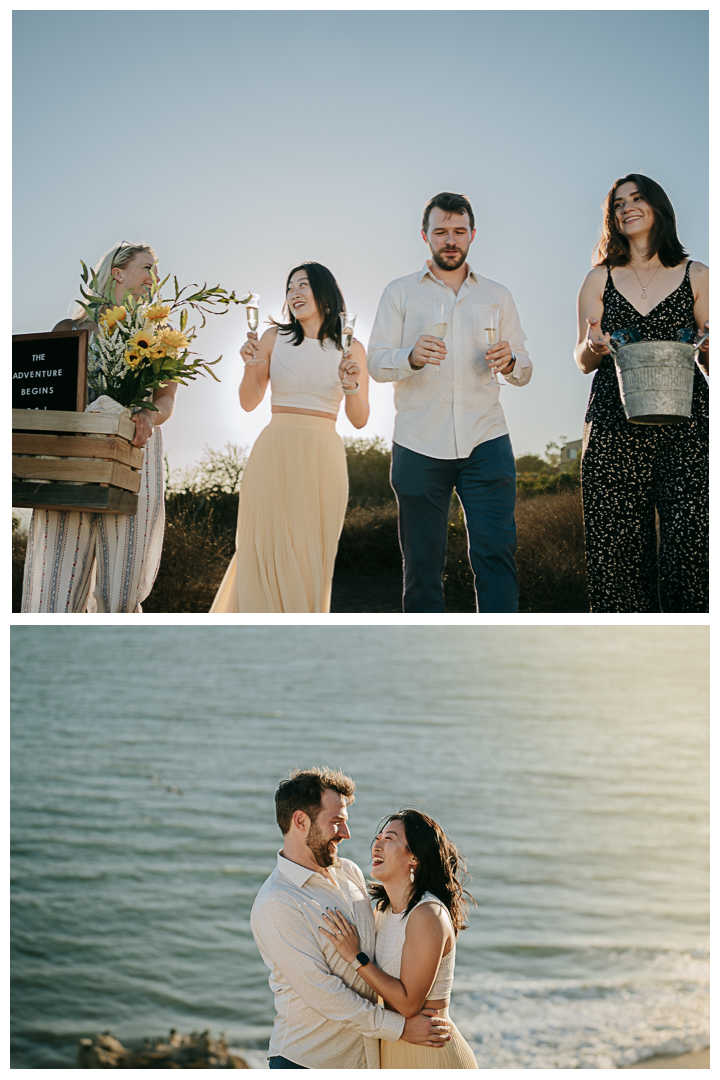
(454, 1055)
(293, 497)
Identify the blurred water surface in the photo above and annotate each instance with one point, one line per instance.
(570, 764)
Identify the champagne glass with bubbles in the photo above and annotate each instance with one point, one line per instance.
(253, 318)
(491, 326)
(347, 334)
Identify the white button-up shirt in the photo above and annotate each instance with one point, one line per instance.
(327, 1016)
(445, 412)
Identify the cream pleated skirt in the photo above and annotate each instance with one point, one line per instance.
(454, 1055)
(293, 497)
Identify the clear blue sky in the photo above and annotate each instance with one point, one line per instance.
(240, 143)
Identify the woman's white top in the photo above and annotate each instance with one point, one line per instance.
(305, 376)
(389, 940)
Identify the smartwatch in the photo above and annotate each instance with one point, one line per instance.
(360, 961)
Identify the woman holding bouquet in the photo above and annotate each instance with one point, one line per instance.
(79, 561)
(295, 486)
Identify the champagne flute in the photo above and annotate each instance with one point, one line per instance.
(347, 333)
(440, 328)
(253, 318)
(491, 325)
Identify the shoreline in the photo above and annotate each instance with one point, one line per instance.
(696, 1059)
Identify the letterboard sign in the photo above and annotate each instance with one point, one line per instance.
(50, 371)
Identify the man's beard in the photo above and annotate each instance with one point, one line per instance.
(320, 848)
(444, 264)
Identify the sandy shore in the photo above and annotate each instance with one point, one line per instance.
(700, 1059)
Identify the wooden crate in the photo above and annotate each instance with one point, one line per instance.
(75, 461)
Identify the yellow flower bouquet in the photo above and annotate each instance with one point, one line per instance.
(135, 349)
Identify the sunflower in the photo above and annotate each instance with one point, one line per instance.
(112, 316)
(132, 358)
(158, 351)
(158, 311)
(173, 339)
(142, 342)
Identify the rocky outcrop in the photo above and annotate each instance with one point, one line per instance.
(196, 1051)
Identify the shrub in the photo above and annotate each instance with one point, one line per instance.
(192, 566)
(548, 484)
(369, 541)
(201, 518)
(217, 471)
(368, 472)
(532, 463)
(551, 553)
(550, 557)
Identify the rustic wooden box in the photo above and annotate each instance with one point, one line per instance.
(75, 461)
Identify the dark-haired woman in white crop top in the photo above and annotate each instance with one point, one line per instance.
(421, 908)
(294, 488)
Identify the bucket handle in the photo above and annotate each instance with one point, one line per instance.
(696, 347)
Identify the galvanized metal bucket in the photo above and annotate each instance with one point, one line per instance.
(656, 381)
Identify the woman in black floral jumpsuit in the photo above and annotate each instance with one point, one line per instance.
(644, 279)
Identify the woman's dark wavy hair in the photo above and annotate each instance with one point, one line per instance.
(328, 298)
(441, 868)
(612, 247)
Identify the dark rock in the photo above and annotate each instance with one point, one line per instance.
(196, 1051)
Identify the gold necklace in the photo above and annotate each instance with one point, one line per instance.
(644, 287)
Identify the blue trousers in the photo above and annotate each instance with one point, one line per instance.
(485, 484)
(278, 1062)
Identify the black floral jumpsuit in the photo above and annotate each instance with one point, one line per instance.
(629, 470)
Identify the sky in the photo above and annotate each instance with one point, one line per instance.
(241, 143)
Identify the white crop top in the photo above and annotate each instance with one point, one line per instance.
(389, 940)
(305, 376)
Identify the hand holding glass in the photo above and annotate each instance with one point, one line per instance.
(440, 328)
(347, 333)
(251, 310)
(491, 326)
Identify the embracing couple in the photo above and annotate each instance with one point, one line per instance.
(357, 989)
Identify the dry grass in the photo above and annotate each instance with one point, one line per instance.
(369, 540)
(199, 544)
(550, 556)
(192, 566)
(551, 553)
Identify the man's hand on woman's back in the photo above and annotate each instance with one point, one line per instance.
(427, 1029)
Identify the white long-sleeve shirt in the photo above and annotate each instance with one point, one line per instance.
(327, 1016)
(445, 412)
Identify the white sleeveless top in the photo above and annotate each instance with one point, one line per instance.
(305, 376)
(390, 938)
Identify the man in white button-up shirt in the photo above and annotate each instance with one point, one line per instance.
(450, 430)
(327, 1015)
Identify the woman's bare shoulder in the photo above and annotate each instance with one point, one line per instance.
(593, 286)
(699, 271)
(596, 276)
(64, 324)
(430, 913)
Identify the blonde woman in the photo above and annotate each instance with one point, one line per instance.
(421, 908)
(295, 486)
(78, 561)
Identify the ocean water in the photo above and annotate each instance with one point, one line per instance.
(569, 764)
